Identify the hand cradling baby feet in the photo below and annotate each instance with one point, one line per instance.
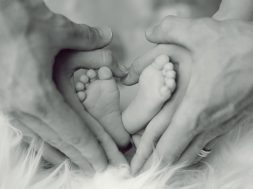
(99, 94)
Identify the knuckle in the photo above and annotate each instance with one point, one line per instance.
(197, 123)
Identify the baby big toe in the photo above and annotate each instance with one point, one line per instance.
(79, 86)
(160, 61)
(104, 73)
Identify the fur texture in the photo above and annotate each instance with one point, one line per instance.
(230, 166)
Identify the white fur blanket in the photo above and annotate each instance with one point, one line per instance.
(229, 167)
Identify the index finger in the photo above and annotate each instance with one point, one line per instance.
(183, 129)
(70, 35)
(74, 60)
(172, 30)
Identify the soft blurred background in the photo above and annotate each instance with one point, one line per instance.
(129, 20)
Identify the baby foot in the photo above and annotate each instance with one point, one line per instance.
(156, 85)
(99, 94)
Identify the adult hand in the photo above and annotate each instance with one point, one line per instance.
(219, 89)
(31, 36)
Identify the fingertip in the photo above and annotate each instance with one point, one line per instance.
(120, 70)
(150, 32)
(136, 140)
(130, 79)
(123, 69)
(135, 165)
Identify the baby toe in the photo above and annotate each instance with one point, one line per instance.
(78, 73)
(160, 61)
(79, 86)
(171, 74)
(104, 73)
(168, 67)
(91, 74)
(82, 95)
(170, 83)
(84, 79)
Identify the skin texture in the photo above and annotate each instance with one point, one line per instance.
(30, 40)
(218, 91)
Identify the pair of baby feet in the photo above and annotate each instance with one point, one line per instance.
(99, 94)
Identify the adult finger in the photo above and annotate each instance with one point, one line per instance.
(43, 130)
(162, 120)
(69, 35)
(208, 138)
(70, 126)
(173, 51)
(190, 155)
(49, 153)
(91, 60)
(183, 128)
(137, 138)
(175, 30)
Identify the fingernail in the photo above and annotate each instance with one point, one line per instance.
(128, 79)
(105, 32)
(123, 68)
